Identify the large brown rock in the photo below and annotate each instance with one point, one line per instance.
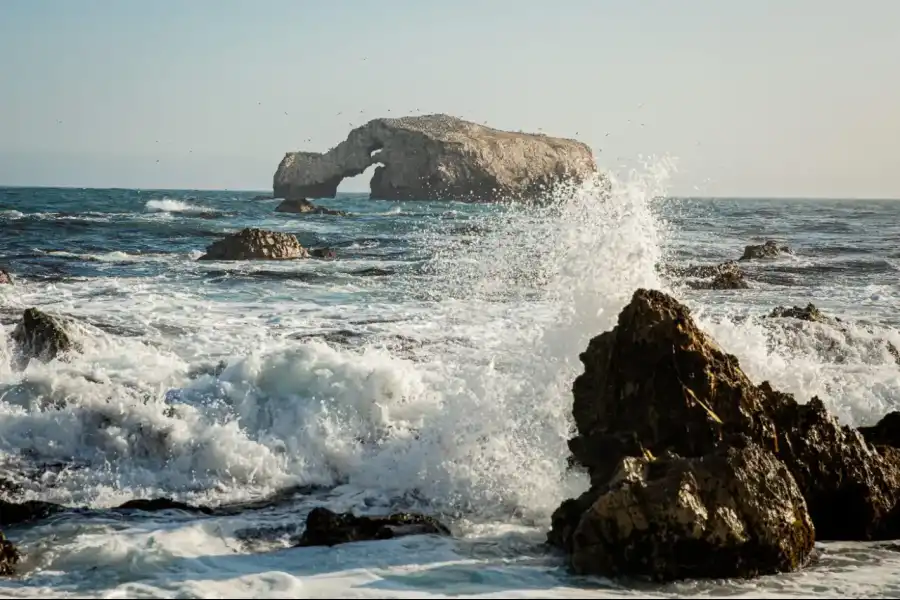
(256, 244)
(736, 513)
(437, 157)
(656, 385)
(327, 528)
(42, 336)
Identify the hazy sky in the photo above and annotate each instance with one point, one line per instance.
(751, 97)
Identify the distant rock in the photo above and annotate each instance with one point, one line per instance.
(657, 387)
(304, 206)
(327, 528)
(5, 277)
(42, 336)
(263, 197)
(437, 157)
(770, 249)
(256, 244)
(328, 253)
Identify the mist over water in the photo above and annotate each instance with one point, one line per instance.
(440, 383)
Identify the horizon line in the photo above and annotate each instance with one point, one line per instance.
(264, 190)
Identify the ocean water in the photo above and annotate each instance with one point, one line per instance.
(428, 368)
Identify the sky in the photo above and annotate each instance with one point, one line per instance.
(775, 98)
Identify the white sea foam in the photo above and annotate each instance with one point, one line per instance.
(171, 205)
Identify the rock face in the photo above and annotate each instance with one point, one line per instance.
(256, 244)
(304, 206)
(327, 528)
(437, 157)
(41, 336)
(770, 249)
(5, 278)
(658, 386)
(736, 513)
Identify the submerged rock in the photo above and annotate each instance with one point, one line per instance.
(256, 244)
(327, 528)
(5, 277)
(656, 385)
(735, 513)
(42, 336)
(437, 157)
(158, 504)
(807, 313)
(323, 253)
(9, 556)
(304, 206)
(770, 249)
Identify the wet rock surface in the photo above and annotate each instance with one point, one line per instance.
(42, 336)
(256, 244)
(658, 386)
(327, 528)
(304, 206)
(326, 253)
(770, 249)
(5, 277)
(9, 556)
(735, 513)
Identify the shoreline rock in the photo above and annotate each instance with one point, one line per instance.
(5, 277)
(324, 253)
(256, 244)
(657, 386)
(437, 157)
(327, 528)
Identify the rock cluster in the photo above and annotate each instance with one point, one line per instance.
(327, 528)
(770, 249)
(698, 472)
(437, 157)
(256, 244)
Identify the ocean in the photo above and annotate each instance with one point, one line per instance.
(427, 368)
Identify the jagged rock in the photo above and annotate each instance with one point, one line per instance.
(327, 528)
(256, 244)
(5, 277)
(437, 157)
(657, 384)
(770, 249)
(736, 513)
(323, 253)
(807, 313)
(158, 504)
(9, 556)
(42, 336)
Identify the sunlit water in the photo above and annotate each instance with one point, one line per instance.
(428, 368)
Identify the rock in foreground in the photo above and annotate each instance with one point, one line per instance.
(656, 385)
(437, 157)
(737, 513)
(9, 556)
(304, 206)
(41, 336)
(770, 249)
(327, 528)
(256, 244)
